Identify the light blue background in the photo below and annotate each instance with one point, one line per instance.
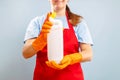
(102, 16)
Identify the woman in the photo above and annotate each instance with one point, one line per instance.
(77, 44)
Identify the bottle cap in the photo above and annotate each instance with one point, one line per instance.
(53, 15)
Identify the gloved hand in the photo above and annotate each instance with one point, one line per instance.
(54, 65)
(67, 60)
(41, 40)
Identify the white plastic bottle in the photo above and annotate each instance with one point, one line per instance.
(55, 41)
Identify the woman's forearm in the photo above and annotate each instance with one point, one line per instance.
(86, 51)
(28, 50)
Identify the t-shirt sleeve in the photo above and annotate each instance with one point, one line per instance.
(34, 28)
(83, 33)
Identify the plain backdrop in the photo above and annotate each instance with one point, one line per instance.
(103, 19)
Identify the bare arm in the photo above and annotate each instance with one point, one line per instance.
(28, 50)
(86, 51)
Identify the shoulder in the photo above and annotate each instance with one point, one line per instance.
(34, 27)
(82, 23)
(81, 26)
(83, 33)
(38, 19)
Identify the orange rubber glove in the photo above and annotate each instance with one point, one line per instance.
(67, 60)
(41, 40)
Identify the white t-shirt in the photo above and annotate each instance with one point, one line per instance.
(81, 30)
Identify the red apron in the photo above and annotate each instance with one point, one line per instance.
(72, 72)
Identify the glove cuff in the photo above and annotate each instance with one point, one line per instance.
(75, 58)
(40, 42)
